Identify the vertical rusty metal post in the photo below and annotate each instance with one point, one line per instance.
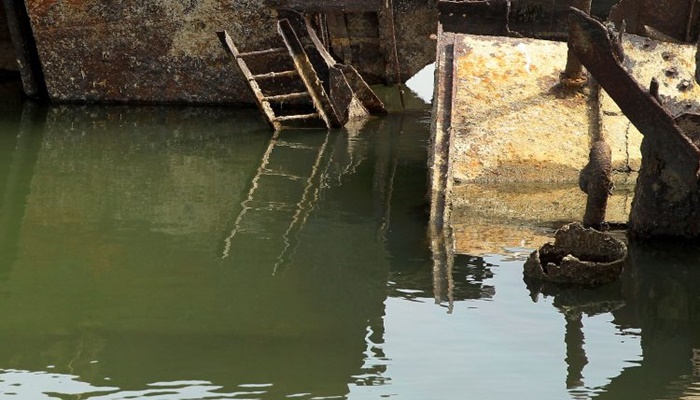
(691, 19)
(574, 70)
(25, 48)
(596, 181)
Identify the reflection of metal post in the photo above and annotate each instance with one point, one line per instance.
(19, 180)
(386, 184)
(443, 264)
(575, 353)
(439, 180)
(387, 34)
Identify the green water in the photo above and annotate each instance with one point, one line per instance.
(180, 253)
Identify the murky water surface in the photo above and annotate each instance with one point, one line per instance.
(173, 253)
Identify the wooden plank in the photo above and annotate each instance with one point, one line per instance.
(28, 61)
(297, 117)
(263, 104)
(288, 96)
(362, 91)
(339, 37)
(308, 75)
(261, 52)
(352, 78)
(273, 75)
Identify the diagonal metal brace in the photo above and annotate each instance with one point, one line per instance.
(599, 53)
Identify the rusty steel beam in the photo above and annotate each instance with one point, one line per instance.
(593, 45)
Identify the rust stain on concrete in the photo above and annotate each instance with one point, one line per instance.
(507, 124)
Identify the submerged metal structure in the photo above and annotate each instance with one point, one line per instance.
(667, 194)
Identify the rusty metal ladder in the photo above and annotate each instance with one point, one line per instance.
(303, 68)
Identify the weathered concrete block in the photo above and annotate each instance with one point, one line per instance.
(624, 139)
(511, 122)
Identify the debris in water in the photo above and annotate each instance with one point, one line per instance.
(578, 256)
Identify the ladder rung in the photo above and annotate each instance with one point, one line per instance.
(288, 96)
(297, 117)
(272, 206)
(283, 175)
(274, 75)
(261, 52)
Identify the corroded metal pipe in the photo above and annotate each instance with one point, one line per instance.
(574, 70)
(596, 181)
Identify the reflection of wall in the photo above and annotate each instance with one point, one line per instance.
(20, 137)
(119, 260)
(158, 167)
(661, 288)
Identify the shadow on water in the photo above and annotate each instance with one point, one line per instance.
(661, 288)
(150, 251)
(16, 172)
(659, 297)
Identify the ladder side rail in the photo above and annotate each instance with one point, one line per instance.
(307, 73)
(304, 206)
(245, 205)
(263, 104)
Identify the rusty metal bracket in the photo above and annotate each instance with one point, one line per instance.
(596, 49)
